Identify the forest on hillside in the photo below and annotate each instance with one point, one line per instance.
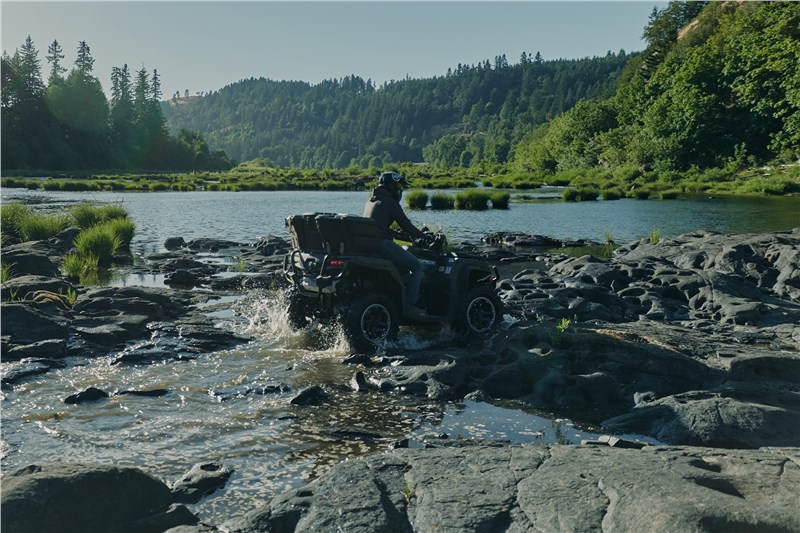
(718, 86)
(66, 122)
(471, 114)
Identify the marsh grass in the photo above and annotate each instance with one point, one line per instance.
(472, 200)
(123, 228)
(99, 241)
(640, 194)
(417, 199)
(11, 217)
(583, 194)
(655, 236)
(441, 200)
(88, 215)
(37, 227)
(500, 199)
(612, 194)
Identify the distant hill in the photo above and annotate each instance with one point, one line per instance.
(473, 113)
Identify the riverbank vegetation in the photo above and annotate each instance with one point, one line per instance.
(102, 233)
(712, 106)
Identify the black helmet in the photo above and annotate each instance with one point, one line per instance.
(393, 178)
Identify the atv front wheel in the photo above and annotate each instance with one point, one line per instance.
(482, 310)
(369, 321)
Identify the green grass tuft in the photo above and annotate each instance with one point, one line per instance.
(416, 199)
(500, 199)
(441, 200)
(123, 228)
(99, 241)
(472, 199)
(40, 227)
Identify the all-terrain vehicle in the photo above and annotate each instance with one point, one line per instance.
(335, 272)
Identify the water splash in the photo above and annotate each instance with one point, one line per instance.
(265, 317)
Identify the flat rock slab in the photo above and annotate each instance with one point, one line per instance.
(537, 488)
(87, 497)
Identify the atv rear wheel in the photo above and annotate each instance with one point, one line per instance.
(481, 312)
(369, 321)
(297, 310)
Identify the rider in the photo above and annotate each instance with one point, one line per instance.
(384, 208)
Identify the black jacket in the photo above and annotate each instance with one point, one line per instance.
(384, 209)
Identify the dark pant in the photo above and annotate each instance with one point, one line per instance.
(407, 262)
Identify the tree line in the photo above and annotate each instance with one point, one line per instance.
(66, 123)
(472, 115)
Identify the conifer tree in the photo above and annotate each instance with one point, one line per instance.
(55, 55)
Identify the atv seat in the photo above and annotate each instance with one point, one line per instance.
(349, 235)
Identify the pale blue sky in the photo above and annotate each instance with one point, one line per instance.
(203, 46)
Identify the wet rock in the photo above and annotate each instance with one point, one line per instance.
(49, 349)
(200, 481)
(29, 258)
(182, 278)
(211, 245)
(313, 395)
(152, 393)
(25, 287)
(25, 325)
(499, 488)
(14, 372)
(92, 394)
(87, 497)
(174, 243)
(359, 382)
(272, 245)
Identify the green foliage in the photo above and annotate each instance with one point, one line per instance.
(640, 194)
(580, 195)
(416, 199)
(472, 199)
(87, 215)
(99, 241)
(721, 92)
(440, 200)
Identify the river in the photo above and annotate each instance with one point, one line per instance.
(270, 444)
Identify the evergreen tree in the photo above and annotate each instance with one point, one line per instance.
(54, 56)
(85, 61)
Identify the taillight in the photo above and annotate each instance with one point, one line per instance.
(336, 263)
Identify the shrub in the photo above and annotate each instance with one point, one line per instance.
(99, 241)
(40, 227)
(417, 199)
(472, 199)
(641, 194)
(612, 194)
(500, 199)
(124, 229)
(440, 200)
(588, 195)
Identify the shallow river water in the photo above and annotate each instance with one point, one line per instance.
(270, 444)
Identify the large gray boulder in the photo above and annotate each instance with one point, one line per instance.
(29, 258)
(87, 497)
(536, 488)
(25, 324)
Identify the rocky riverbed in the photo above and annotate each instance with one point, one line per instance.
(693, 341)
